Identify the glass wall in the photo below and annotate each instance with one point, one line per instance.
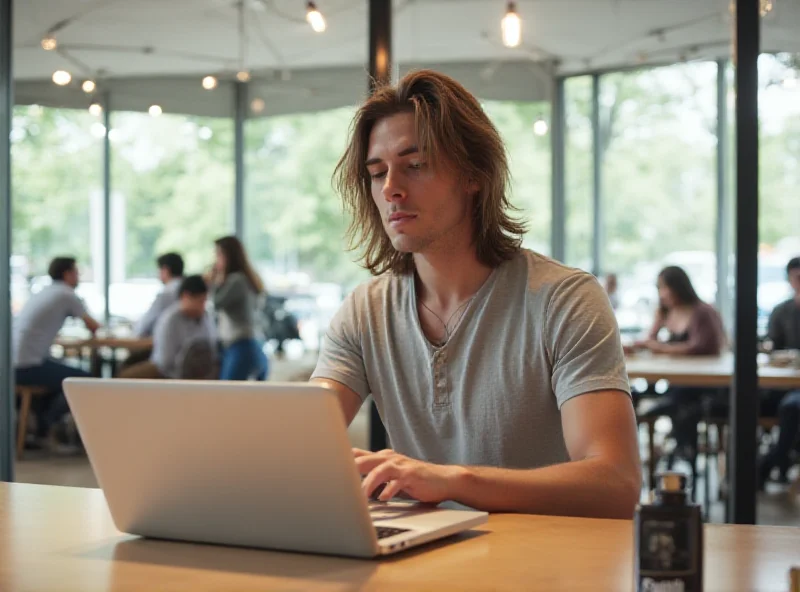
(525, 131)
(658, 146)
(57, 185)
(172, 189)
(779, 223)
(578, 171)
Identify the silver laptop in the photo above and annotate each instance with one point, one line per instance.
(250, 464)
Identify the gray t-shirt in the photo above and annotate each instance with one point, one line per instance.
(168, 296)
(40, 321)
(784, 326)
(537, 334)
(173, 333)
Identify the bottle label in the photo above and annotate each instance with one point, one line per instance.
(651, 585)
(666, 549)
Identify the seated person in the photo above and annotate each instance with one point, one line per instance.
(34, 331)
(694, 329)
(182, 324)
(497, 371)
(784, 333)
(170, 272)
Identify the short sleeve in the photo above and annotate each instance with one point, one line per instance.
(341, 357)
(75, 306)
(582, 340)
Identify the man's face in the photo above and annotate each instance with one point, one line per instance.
(72, 277)
(164, 275)
(794, 281)
(193, 305)
(419, 204)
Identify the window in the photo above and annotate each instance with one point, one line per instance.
(172, 189)
(525, 131)
(658, 145)
(578, 172)
(57, 190)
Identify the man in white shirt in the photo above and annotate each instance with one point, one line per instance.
(33, 333)
(184, 323)
(170, 272)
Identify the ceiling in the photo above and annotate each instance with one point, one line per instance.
(143, 51)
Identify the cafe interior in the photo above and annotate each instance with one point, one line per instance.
(643, 137)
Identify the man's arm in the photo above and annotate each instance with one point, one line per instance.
(603, 480)
(90, 323)
(775, 329)
(146, 325)
(348, 399)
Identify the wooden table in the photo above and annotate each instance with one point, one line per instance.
(58, 538)
(95, 344)
(705, 371)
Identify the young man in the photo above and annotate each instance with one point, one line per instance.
(182, 324)
(34, 331)
(784, 322)
(498, 372)
(784, 332)
(170, 272)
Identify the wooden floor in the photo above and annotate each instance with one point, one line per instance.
(775, 507)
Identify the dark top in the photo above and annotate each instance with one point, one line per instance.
(705, 333)
(784, 326)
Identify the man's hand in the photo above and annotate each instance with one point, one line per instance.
(425, 482)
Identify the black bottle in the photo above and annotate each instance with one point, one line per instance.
(669, 540)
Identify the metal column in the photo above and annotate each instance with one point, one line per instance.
(723, 234)
(380, 68)
(744, 399)
(597, 180)
(558, 194)
(107, 208)
(6, 378)
(240, 112)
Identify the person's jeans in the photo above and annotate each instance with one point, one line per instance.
(242, 360)
(50, 374)
(789, 427)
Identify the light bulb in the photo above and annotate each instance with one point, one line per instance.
(96, 109)
(257, 105)
(511, 26)
(540, 127)
(209, 83)
(88, 86)
(98, 130)
(62, 77)
(49, 43)
(315, 18)
(155, 110)
(766, 7)
(243, 76)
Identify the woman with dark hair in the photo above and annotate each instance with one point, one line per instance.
(236, 290)
(694, 328)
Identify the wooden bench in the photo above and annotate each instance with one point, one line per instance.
(26, 394)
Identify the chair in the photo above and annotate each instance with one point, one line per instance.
(26, 394)
(198, 361)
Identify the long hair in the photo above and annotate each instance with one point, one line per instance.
(676, 279)
(236, 260)
(451, 129)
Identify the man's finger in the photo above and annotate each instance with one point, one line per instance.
(391, 490)
(365, 464)
(379, 475)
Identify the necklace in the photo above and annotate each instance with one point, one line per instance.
(447, 332)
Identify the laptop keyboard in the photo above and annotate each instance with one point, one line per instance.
(384, 531)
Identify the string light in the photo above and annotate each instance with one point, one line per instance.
(49, 43)
(511, 26)
(315, 18)
(540, 126)
(155, 110)
(209, 83)
(257, 105)
(766, 7)
(243, 76)
(88, 86)
(62, 77)
(96, 109)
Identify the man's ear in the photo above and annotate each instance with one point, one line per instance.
(472, 187)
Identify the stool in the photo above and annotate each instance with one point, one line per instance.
(25, 393)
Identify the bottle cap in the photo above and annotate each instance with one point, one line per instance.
(672, 482)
